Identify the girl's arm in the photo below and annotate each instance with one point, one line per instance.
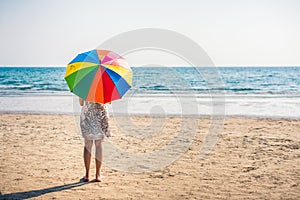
(81, 102)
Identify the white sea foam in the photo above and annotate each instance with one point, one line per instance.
(258, 106)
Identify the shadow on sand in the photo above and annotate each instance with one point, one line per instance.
(36, 193)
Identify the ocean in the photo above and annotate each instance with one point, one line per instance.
(247, 91)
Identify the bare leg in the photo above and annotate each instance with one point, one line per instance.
(98, 159)
(87, 157)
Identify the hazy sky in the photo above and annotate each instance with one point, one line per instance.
(232, 32)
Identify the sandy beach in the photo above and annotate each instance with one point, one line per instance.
(254, 158)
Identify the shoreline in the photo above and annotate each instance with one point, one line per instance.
(279, 107)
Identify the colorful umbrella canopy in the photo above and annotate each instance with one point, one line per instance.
(99, 76)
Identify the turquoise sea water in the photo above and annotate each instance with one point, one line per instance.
(163, 81)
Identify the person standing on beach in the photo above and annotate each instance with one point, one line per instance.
(94, 127)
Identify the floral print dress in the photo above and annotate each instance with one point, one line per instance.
(94, 121)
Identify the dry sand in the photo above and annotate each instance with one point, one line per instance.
(41, 158)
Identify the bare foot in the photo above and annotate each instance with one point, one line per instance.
(85, 179)
(99, 178)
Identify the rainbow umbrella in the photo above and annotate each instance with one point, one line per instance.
(99, 76)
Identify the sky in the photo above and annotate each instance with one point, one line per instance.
(232, 32)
